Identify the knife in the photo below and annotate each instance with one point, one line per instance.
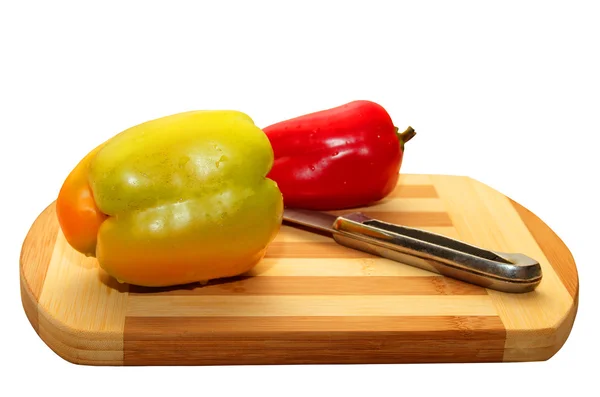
(506, 272)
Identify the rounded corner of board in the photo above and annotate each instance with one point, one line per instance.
(542, 344)
(542, 232)
(31, 309)
(76, 346)
(67, 342)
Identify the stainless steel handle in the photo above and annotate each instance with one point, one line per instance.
(507, 272)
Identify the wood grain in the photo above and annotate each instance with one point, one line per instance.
(335, 267)
(83, 307)
(312, 339)
(328, 249)
(408, 218)
(474, 207)
(291, 234)
(166, 328)
(324, 285)
(310, 305)
(553, 247)
(389, 204)
(413, 191)
(313, 301)
(29, 303)
(37, 250)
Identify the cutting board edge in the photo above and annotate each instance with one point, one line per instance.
(60, 337)
(75, 354)
(69, 343)
(544, 353)
(566, 270)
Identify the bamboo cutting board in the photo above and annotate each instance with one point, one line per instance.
(313, 301)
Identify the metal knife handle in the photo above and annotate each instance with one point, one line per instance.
(507, 272)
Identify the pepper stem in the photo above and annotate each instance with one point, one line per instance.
(406, 135)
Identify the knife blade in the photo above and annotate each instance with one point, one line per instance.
(501, 271)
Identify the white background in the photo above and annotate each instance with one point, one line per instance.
(505, 92)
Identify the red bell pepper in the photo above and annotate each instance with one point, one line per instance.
(339, 158)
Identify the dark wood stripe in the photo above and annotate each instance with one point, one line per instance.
(413, 191)
(193, 328)
(289, 340)
(37, 249)
(302, 285)
(553, 248)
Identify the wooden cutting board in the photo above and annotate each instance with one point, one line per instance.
(313, 301)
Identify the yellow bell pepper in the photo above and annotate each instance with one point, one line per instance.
(179, 199)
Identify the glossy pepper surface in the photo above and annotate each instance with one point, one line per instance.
(344, 157)
(175, 200)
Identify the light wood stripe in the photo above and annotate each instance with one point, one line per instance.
(313, 250)
(89, 355)
(413, 191)
(338, 267)
(74, 282)
(388, 204)
(547, 347)
(414, 179)
(39, 244)
(86, 339)
(299, 285)
(293, 234)
(316, 305)
(412, 219)
(422, 220)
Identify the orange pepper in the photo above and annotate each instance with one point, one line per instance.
(78, 214)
